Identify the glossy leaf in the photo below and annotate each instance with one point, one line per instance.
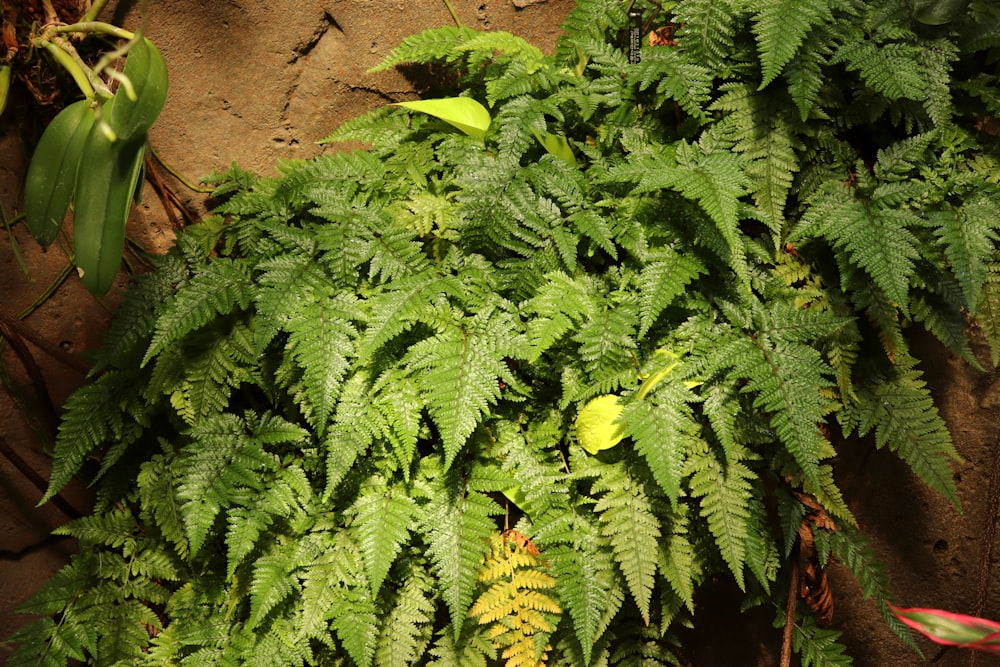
(464, 113)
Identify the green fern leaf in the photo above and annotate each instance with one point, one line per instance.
(459, 371)
(208, 373)
(891, 69)
(475, 649)
(969, 234)
(321, 340)
(819, 647)
(631, 527)
(350, 435)
(687, 83)
(220, 288)
(677, 559)
(902, 412)
(988, 307)
(105, 411)
(716, 180)
(397, 410)
(406, 631)
(781, 27)
(585, 578)
(159, 504)
(356, 624)
(383, 515)
(457, 529)
(221, 460)
(853, 551)
(396, 310)
(804, 73)
(434, 44)
(725, 491)
(557, 307)
(708, 30)
(272, 583)
(662, 428)
(281, 499)
(666, 274)
(877, 239)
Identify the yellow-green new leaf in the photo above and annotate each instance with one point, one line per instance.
(465, 113)
(556, 144)
(5, 76)
(596, 428)
(51, 179)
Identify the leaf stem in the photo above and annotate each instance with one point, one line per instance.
(95, 9)
(95, 28)
(454, 15)
(65, 55)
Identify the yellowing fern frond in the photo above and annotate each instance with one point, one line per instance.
(514, 604)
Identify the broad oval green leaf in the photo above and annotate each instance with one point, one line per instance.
(465, 113)
(596, 428)
(50, 183)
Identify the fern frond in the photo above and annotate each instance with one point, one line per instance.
(988, 307)
(891, 69)
(382, 519)
(969, 234)
(433, 44)
(356, 623)
(677, 559)
(606, 344)
(220, 288)
(458, 530)
(459, 371)
(724, 490)
(282, 499)
(666, 274)
(159, 504)
(781, 27)
(396, 310)
(708, 30)
(853, 551)
(406, 631)
(878, 240)
(687, 83)
(321, 341)
(631, 527)
(105, 411)
(518, 612)
(207, 375)
(221, 460)
(761, 130)
(902, 413)
(662, 428)
(819, 647)
(557, 307)
(787, 379)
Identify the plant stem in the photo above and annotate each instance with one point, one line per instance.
(95, 9)
(451, 10)
(173, 172)
(62, 55)
(95, 28)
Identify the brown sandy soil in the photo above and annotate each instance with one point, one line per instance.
(255, 82)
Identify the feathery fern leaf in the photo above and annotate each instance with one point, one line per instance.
(631, 527)
(457, 530)
(780, 29)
